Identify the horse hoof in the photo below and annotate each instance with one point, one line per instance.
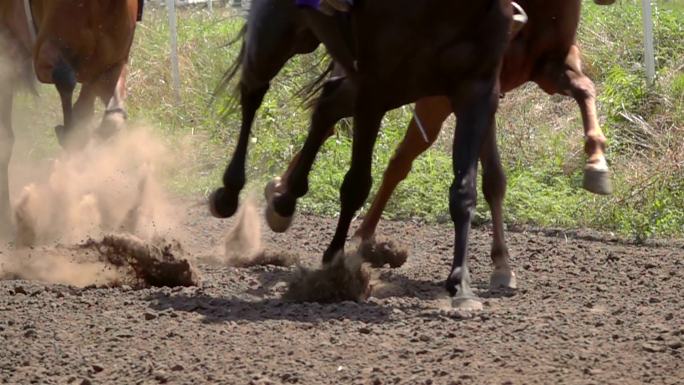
(60, 131)
(276, 222)
(220, 205)
(503, 278)
(271, 188)
(111, 125)
(597, 181)
(466, 304)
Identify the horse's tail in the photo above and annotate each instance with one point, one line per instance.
(227, 78)
(310, 91)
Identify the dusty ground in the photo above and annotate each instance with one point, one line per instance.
(587, 312)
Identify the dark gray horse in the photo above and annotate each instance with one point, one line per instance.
(404, 50)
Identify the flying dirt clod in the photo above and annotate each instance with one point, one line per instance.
(111, 261)
(346, 278)
(158, 263)
(383, 252)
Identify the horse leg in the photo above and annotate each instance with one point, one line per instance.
(81, 116)
(65, 81)
(6, 145)
(85, 104)
(336, 102)
(358, 180)
(494, 190)
(431, 112)
(596, 172)
(112, 91)
(474, 118)
(223, 202)
(264, 53)
(566, 77)
(278, 184)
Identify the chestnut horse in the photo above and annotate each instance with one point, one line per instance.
(65, 42)
(439, 47)
(543, 52)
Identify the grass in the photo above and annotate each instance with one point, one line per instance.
(540, 136)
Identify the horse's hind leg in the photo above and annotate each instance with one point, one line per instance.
(494, 190)
(85, 104)
(111, 87)
(6, 145)
(431, 112)
(65, 81)
(358, 180)
(336, 102)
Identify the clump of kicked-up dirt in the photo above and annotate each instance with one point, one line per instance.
(157, 263)
(380, 252)
(266, 258)
(115, 260)
(346, 278)
(243, 247)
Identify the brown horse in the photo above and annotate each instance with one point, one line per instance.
(544, 51)
(65, 41)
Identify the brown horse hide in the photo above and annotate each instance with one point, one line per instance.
(91, 36)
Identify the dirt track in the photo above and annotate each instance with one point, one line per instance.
(586, 313)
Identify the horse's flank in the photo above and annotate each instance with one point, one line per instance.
(91, 44)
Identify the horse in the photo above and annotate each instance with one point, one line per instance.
(265, 51)
(404, 50)
(64, 42)
(544, 52)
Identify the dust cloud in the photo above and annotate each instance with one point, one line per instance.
(243, 246)
(109, 187)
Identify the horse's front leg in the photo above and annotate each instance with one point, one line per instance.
(474, 118)
(596, 171)
(336, 102)
(494, 190)
(223, 202)
(565, 76)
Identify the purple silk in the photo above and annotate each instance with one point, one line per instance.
(308, 3)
